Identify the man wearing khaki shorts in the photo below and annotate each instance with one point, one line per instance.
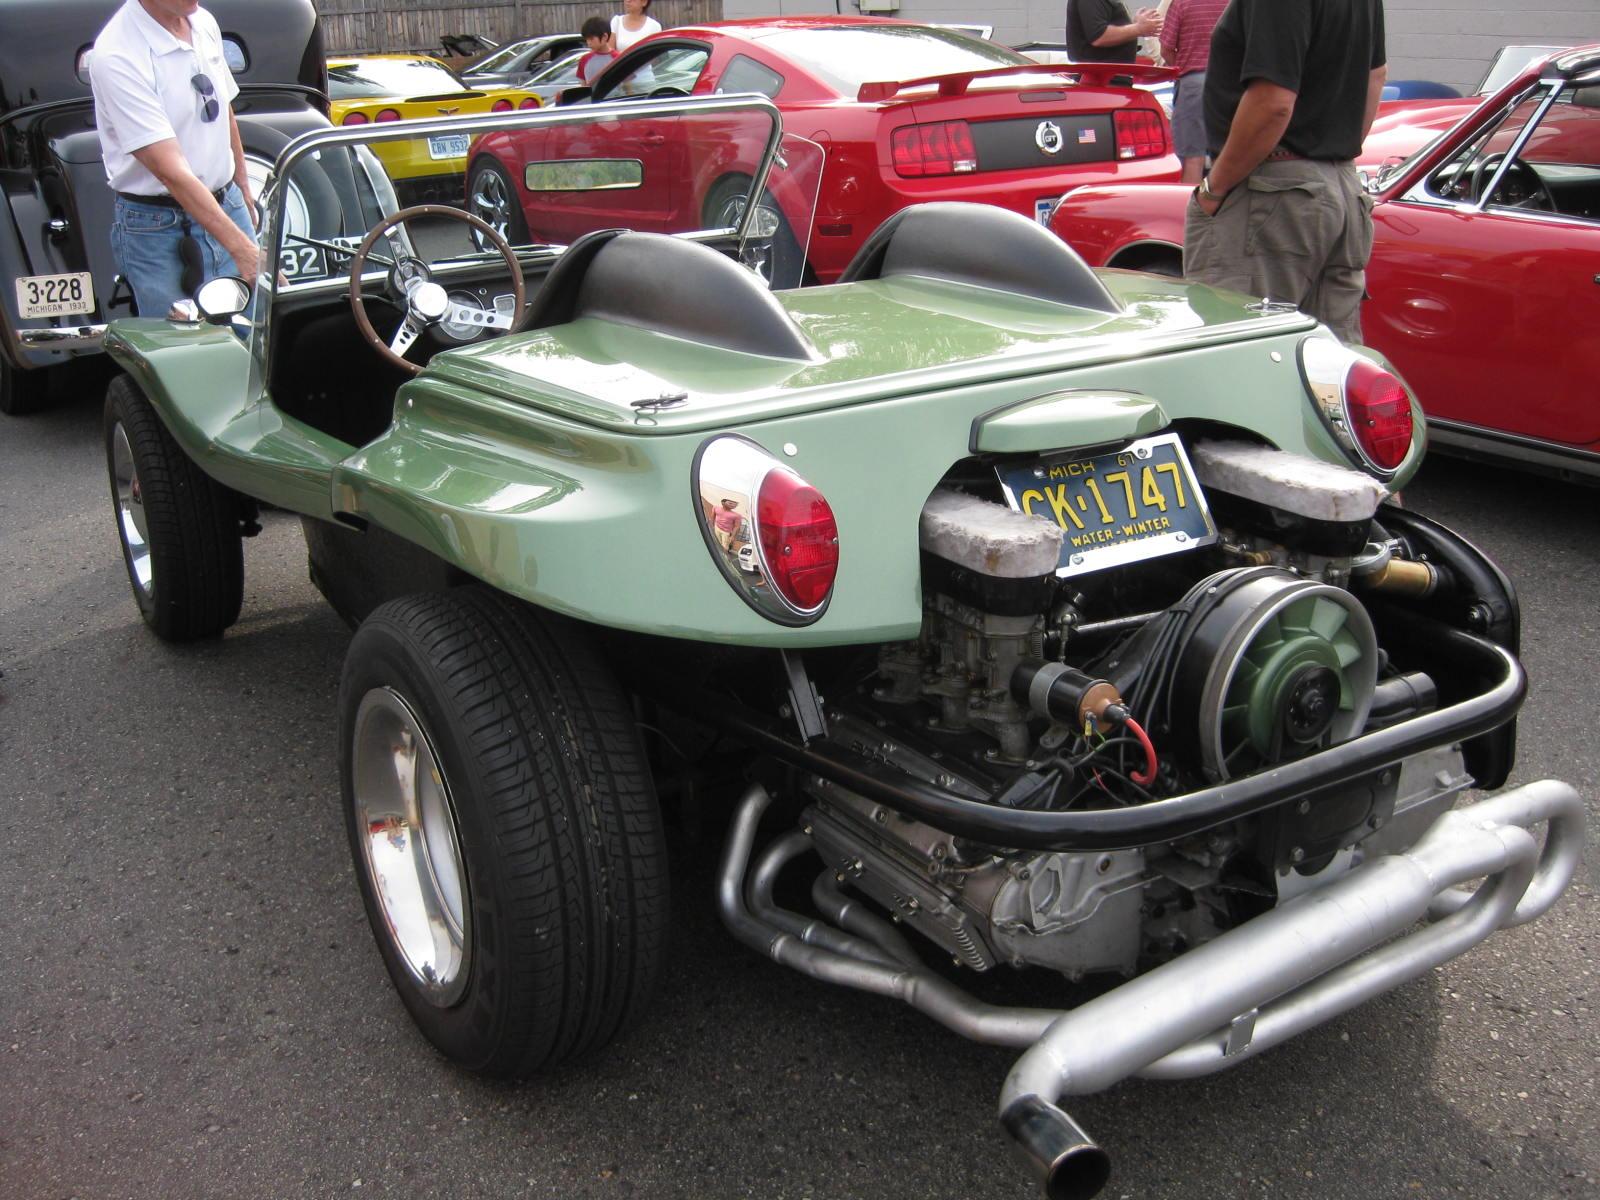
(1291, 91)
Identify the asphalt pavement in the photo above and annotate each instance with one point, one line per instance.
(191, 1004)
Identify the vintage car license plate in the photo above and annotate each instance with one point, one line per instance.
(1130, 504)
(55, 295)
(302, 262)
(1043, 208)
(448, 145)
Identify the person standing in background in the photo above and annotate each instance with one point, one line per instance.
(597, 37)
(1102, 31)
(163, 98)
(631, 24)
(1291, 91)
(1186, 45)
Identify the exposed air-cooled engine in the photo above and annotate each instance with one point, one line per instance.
(1119, 687)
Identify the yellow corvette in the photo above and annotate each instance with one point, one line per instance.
(406, 87)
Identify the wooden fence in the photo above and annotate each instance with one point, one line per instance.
(383, 25)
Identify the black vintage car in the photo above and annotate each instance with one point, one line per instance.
(60, 283)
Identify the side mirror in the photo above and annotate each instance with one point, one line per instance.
(222, 299)
(573, 95)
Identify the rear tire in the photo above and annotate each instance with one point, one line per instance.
(178, 527)
(23, 392)
(526, 928)
(785, 265)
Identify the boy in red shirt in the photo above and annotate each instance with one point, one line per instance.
(597, 36)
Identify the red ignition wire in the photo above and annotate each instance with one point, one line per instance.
(1148, 776)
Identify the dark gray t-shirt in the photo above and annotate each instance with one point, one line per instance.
(1087, 20)
(1322, 50)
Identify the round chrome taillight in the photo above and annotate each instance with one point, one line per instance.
(771, 533)
(1366, 407)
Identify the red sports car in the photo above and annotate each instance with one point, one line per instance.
(1484, 284)
(902, 113)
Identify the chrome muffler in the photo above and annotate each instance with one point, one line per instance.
(1231, 998)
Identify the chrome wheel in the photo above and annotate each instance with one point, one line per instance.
(756, 252)
(131, 526)
(406, 825)
(491, 204)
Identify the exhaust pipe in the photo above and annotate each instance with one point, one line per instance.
(1056, 1149)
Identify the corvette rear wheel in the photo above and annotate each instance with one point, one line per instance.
(504, 829)
(179, 528)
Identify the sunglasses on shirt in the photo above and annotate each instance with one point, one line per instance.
(201, 83)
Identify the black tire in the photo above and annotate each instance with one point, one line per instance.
(481, 198)
(186, 563)
(23, 392)
(563, 907)
(785, 265)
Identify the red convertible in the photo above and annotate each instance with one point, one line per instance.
(893, 113)
(1484, 284)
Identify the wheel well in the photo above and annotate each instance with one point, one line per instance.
(1159, 258)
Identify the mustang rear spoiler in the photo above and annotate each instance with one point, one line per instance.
(1082, 74)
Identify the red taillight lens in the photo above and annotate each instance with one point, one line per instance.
(799, 539)
(529, 102)
(355, 118)
(387, 114)
(1379, 412)
(944, 148)
(501, 106)
(1141, 133)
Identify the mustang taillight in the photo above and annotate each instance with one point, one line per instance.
(387, 114)
(771, 533)
(942, 148)
(354, 118)
(529, 102)
(1141, 133)
(1367, 407)
(501, 105)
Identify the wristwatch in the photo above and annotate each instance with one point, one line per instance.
(1205, 190)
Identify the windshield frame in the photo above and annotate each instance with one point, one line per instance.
(273, 201)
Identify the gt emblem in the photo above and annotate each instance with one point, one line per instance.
(1048, 137)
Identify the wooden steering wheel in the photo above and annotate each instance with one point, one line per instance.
(425, 302)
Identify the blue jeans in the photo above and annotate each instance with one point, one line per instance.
(144, 242)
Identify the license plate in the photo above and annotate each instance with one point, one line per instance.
(1131, 504)
(302, 262)
(55, 295)
(448, 145)
(1043, 208)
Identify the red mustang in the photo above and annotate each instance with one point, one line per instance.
(902, 113)
(1484, 284)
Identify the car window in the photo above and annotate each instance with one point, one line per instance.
(500, 60)
(1472, 168)
(744, 74)
(845, 57)
(559, 72)
(675, 67)
(390, 77)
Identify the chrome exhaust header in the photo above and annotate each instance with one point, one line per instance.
(1386, 922)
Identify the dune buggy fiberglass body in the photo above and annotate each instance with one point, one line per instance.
(1051, 619)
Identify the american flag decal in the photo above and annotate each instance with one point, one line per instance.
(1085, 137)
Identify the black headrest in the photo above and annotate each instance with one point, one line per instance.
(984, 246)
(670, 286)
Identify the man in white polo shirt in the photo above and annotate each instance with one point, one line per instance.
(163, 101)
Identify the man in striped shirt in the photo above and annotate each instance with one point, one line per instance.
(1186, 45)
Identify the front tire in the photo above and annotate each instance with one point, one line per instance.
(492, 198)
(179, 528)
(504, 828)
(22, 392)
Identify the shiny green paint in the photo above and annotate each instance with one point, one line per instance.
(522, 461)
(197, 377)
(1090, 417)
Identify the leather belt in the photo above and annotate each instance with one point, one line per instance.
(1282, 155)
(166, 201)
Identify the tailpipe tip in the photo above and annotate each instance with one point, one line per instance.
(1067, 1161)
